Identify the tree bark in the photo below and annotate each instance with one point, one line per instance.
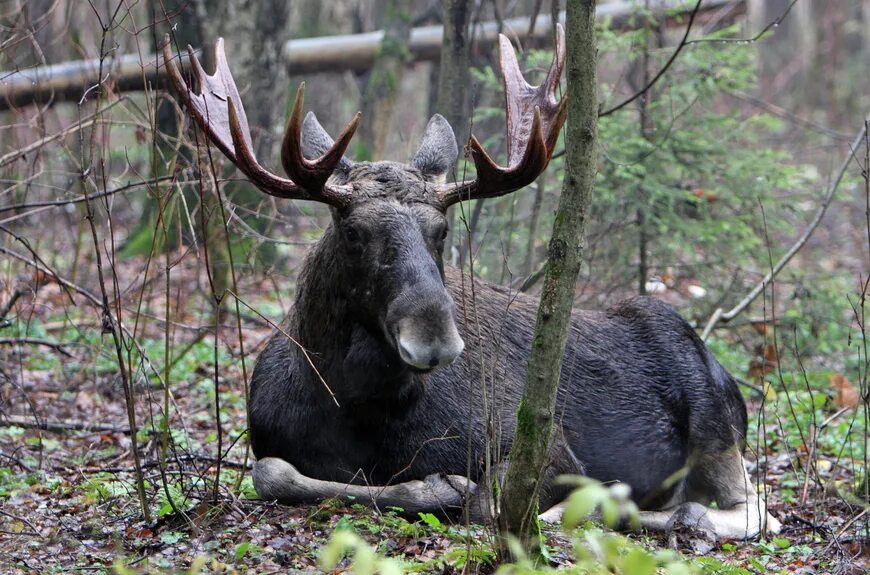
(454, 79)
(384, 81)
(255, 32)
(534, 431)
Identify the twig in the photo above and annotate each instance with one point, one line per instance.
(81, 199)
(58, 347)
(151, 464)
(721, 316)
(772, 24)
(4, 311)
(788, 115)
(23, 520)
(60, 426)
(292, 340)
(845, 528)
(62, 281)
(683, 43)
(530, 281)
(84, 123)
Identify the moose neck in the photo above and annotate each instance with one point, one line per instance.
(353, 358)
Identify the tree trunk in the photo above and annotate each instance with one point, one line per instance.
(255, 31)
(384, 80)
(454, 79)
(529, 455)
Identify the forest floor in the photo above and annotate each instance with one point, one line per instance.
(69, 503)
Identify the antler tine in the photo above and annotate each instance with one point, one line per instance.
(312, 174)
(218, 110)
(534, 117)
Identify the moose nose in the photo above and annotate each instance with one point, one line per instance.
(426, 350)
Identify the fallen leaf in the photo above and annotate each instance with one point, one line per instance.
(760, 327)
(764, 363)
(847, 395)
(84, 401)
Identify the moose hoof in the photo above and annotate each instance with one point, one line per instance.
(772, 525)
(692, 516)
(553, 515)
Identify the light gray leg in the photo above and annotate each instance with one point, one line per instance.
(742, 513)
(277, 480)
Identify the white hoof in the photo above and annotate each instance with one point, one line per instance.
(553, 515)
(772, 525)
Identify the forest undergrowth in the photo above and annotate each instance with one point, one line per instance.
(68, 487)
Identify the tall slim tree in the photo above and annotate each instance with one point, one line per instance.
(454, 78)
(384, 81)
(534, 431)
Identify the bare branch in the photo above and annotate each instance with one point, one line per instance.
(721, 316)
(683, 43)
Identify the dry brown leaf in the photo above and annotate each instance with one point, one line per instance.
(847, 395)
(770, 354)
(84, 401)
(760, 327)
(763, 364)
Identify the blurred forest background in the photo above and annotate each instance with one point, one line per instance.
(136, 289)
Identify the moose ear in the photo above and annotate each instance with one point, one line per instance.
(438, 151)
(316, 142)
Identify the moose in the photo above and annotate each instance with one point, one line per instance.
(374, 391)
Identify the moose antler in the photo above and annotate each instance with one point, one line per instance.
(534, 118)
(219, 112)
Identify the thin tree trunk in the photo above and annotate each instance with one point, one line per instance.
(645, 128)
(534, 431)
(384, 81)
(267, 74)
(529, 264)
(454, 79)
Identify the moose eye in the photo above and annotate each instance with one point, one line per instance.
(351, 235)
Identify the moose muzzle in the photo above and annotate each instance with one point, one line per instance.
(421, 322)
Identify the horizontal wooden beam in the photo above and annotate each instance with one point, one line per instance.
(76, 81)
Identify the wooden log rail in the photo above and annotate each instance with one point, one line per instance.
(74, 81)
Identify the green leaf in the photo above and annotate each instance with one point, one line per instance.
(609, 511)
(781, 542)
(639, 562)
(197, 565)
(430, 520)
(340, 543)
(677, 568)
(344, 523)
(171, 537)
(241, 550)
(581, 503)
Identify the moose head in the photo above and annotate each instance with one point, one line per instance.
(388, 219)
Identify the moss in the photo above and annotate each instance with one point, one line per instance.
(362, 152)
(392, 47)
(383, 80)
(526, 425)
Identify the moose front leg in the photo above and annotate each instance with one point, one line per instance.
(278, 480)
